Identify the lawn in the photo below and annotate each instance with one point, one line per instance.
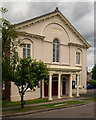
(41, 107)
(90, 99)
(6, 103)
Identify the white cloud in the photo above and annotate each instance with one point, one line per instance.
(81, 15)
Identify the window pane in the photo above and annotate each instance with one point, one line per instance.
(57, 59)
(53, 55)
(77, 58)
(24, 45)
(28, 50)
(28, 53)
(53, 45)
(57, 46)
(53, 59)
(24, 52)
(55, 50)
(28, 45)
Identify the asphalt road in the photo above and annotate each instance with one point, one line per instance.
(85, 111)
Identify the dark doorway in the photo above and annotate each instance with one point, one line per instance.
(54, 88)
(45, 89)
(63, 87)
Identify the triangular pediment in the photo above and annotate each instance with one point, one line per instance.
(48, 16)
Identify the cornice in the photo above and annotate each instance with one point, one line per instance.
(33, 21)
(77, 45)
(63, 68)
(73, 29)
(31, 35)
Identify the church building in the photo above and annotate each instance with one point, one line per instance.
(52, 39)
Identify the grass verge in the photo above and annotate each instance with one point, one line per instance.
(90, 99)
(6, 103)
(40, 107)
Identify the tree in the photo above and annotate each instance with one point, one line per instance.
(9, 56)
(28, 74)
(9, 46)
(25, 73)
(94, 72)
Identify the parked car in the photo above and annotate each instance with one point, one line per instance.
(89, 86)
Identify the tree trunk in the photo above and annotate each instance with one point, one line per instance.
(22, 95)
(22, 101)
(41, 89)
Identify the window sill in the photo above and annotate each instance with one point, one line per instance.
(77, 65)
(56, 63)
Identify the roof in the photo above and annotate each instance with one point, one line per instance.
(36, 18)
(56, 12)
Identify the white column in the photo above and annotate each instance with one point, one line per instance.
(50, 87)
(77, 85)
(70, 86)
(59, 86)
(42, 88)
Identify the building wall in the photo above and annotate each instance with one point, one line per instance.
(28, 94)
(43, 49)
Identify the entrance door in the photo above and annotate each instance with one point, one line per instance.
(63, 87)
(45, 89)
(54, 88)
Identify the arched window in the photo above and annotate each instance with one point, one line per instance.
(27, 48)
(55, 50)
(78, 57)
(27, 51)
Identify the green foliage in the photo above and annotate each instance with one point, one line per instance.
(9, 46)
(94, 72)
(92, 82)
(28, 74)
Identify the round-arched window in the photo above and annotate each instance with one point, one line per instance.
(55, 50)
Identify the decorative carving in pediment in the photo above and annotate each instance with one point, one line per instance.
(56, 30)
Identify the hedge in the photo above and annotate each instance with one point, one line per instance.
(92, 82)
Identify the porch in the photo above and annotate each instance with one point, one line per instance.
(60, 83)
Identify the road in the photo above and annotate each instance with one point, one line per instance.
(85, 111)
